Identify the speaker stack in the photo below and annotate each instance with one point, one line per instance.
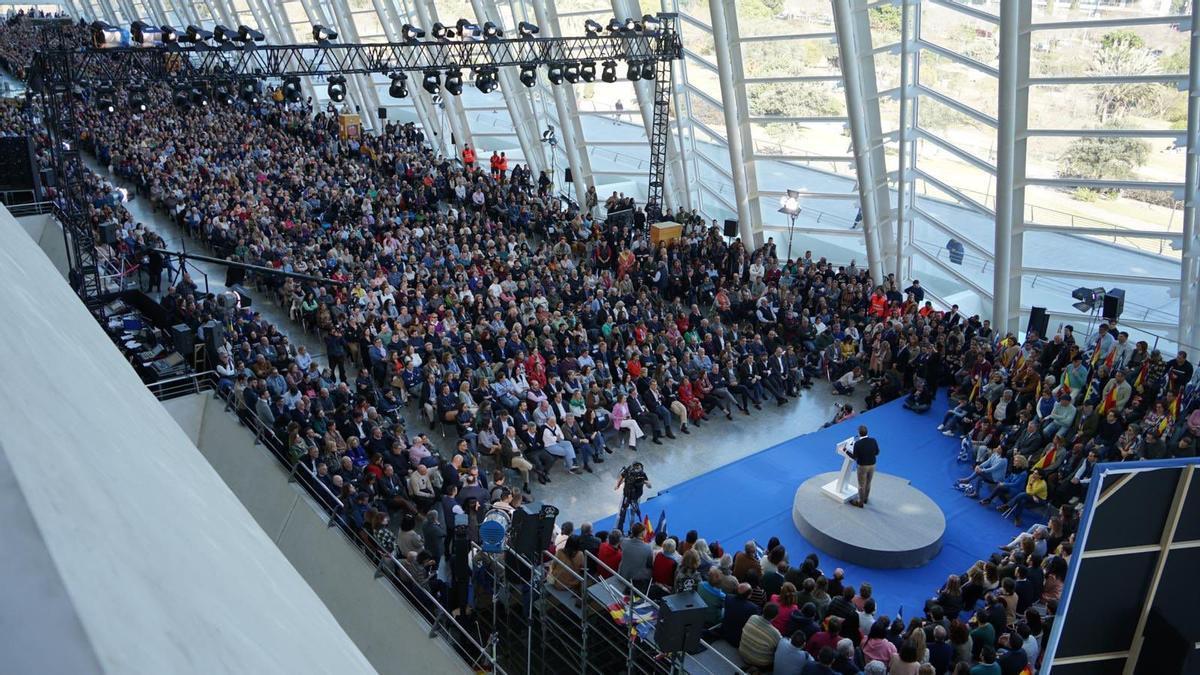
(680, 623)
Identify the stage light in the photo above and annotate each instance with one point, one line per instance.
(411, 33)
(199, 95)
(250, 91)
(454, 81)
(491, 31)
(291, 89)
(526, 29)
(486, 79)
(587, 71)
(106, 98)
(105, 35)
(197, 35)
(442, 32)
(223, 34)
(789, 203)
(321, 34)
(571, 72)
(222, 94)
(614, 25)
(399, 86)
(248, 35)
(466, 28)
(634, 72)
(336, 88)
(137, 98)
(609, 74)
(630, 26)
(170, 36)
(649, 20)
(592, 27)
(554, 73)
(432, 81)
(648, 69)
(137, 32)
(528, 75)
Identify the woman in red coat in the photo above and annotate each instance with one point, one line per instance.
(688, 398)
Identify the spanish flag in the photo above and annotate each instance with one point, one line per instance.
(974, 391)
(1066, 381)
(1111, 358)
(1109, 402)
(1048, 458)
(1140, 380)
(1163, 424)
(648, 536)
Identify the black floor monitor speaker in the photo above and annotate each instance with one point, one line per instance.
(680, 623)
(1039, 321)
(1114, 303)
(532, 530)
(214, 337)
(731, 228)
(184, 339)
(108, 232)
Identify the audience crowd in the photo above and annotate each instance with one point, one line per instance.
(525, 331)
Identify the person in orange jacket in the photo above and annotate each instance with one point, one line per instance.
(495, 162)
(468, 156)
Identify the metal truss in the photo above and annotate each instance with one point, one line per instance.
(60, 69)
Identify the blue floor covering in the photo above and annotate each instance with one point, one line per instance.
(752, 499)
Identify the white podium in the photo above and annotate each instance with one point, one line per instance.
(845, 487)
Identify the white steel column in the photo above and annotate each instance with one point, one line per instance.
(226, 13)
(460, 127)
(525, 122)
(1189, 268)
(568, 114)
(368, 92)
(675, 184)
(741, 158)
(906, 143)
(110, 14)
(71, 9)
(862, 107)
(1011, 132)
(420, 98)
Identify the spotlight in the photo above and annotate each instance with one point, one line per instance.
(454, 81)
(571, 72)
(486, 79)
(526, 29)
(790, 203)
(248, 35)
(411, 33)
(587, 71)
(250, 91)
(432, 81)
(634, 72)
(614, 25)
(170, 36)
(137, 31)
(223, 34)
(466, 28)
(198, 95)
(181, 97)
(528, 75)
(336, 88)
(291, 89)
(442, 32)
(399, 86)
(137, 98)
(197, 35)
(592, 27)
(630, 26)
(648, 69)
(554, 73)
(609, 74)
(650, 20)
(321, 34)
(491, 31)
(223, 95)
(106, 99)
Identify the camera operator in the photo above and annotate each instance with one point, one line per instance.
(634, 480)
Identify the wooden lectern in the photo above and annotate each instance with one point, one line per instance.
(843, 488)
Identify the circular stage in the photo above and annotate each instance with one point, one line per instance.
(899, 528)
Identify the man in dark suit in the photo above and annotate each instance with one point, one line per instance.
(866, 451)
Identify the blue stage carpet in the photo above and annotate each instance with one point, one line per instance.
(752, 499)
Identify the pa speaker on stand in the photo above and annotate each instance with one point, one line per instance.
(1039, 321)
(731, 228)
(1114, 303)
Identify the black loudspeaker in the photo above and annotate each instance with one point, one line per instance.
(731, 228)
(382, 113)
(1038, 321)
(1114, 303)
(680, 623)
(567, 175)
(532, 530)
(108, 232)
(214, 337)
(184, 339)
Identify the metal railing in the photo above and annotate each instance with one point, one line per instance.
(439, 620)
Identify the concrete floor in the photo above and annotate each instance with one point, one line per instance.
(590, 496)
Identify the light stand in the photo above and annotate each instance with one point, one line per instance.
(789, 205)
(549, 138)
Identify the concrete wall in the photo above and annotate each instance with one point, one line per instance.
(391, 635)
